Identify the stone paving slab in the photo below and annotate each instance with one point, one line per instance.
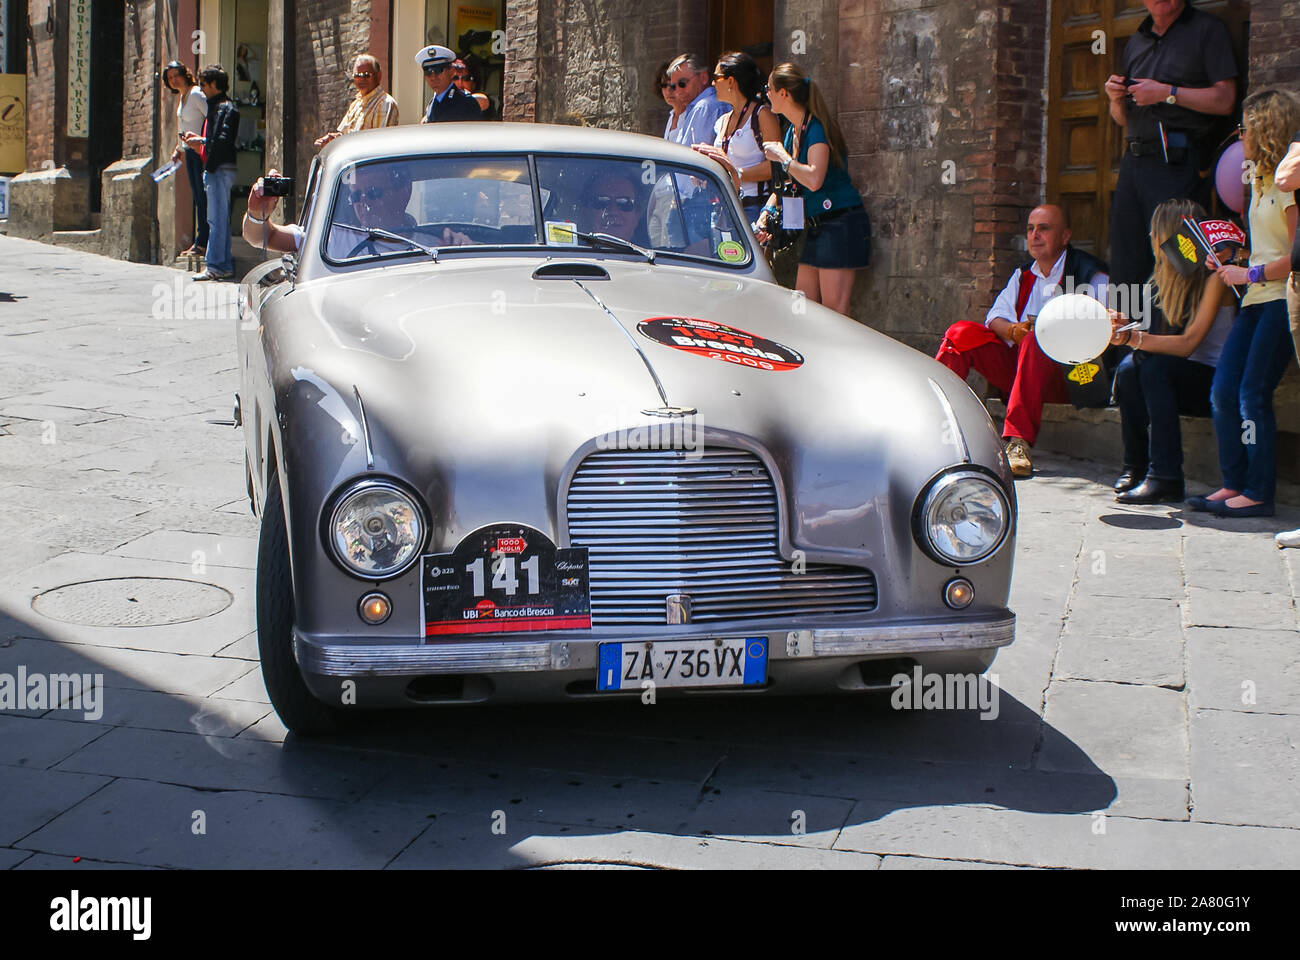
(44, 861)
(221, 763)
(1250, 609)
(135, 821)
(1256, 671)
(133, 669)
(1245, 768)
(927, 863)
(35, 797)
(196, 549)
(1127, 730)
(150, 710)
(1152, 661)
(42, 742)
(1046, 840)
(10, 858)
(469, 844)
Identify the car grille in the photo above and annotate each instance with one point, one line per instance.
(672, 521)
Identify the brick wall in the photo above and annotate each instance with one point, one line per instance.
(141, 80)
(44, 115)
(1275, 43)
(329, 35)
(942, 107)
(595, 61)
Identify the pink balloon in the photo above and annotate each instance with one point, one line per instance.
(1227, 177)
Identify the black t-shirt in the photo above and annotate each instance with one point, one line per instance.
(1195, 51)
(1295, 244)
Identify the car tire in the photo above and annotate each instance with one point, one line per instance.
(298, 707)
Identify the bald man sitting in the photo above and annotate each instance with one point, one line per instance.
(1003, 348)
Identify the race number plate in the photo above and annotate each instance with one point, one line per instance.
(709, 662)
(505, 578)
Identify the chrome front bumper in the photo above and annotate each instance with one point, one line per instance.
(357, 657)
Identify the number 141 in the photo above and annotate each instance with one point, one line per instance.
(503, 575)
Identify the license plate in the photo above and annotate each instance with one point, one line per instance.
(709, 662)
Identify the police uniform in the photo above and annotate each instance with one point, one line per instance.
(1195, 51)
(452, 104)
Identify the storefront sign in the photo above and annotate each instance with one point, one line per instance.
(79, 68)
(13, 122)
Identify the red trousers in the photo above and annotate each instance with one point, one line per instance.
(1027, 377)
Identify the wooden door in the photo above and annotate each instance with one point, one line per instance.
(746, 25)
(1084, 145)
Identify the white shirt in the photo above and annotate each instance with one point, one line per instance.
(743, 150)
(191, 111)
(1045, 287)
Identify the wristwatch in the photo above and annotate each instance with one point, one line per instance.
(1173, 95)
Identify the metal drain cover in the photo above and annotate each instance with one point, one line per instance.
(132, 602)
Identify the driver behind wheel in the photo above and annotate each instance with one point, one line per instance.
(373, 195)
(610, 204)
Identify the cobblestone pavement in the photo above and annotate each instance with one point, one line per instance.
(1149, 710)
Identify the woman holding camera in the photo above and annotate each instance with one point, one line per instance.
(191, 111)
(1168, 375)
(814, 155)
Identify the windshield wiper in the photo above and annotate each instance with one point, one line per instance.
(378, 233)
(613, 241)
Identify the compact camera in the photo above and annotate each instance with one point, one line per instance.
(277, 186)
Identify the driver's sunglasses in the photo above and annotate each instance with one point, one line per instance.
(432, 68)
(625, 204)
(370, 193)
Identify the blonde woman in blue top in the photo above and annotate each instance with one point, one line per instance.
(838, 234)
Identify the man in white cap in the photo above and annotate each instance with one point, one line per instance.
(449, 102)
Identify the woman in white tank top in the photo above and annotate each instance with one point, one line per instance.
(738, 80)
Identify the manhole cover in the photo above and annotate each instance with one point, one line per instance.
(132, 602)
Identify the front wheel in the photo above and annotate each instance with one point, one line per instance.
(298, 708)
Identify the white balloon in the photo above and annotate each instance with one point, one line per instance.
(1073, 328)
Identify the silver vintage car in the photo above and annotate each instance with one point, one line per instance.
(527, 418)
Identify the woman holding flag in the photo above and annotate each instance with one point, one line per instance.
(1169, 375)
(1258, 348)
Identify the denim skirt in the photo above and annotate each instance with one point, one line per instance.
(841, 243)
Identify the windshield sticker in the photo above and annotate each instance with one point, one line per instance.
(717, 341)
(731, 251)
(561, 232)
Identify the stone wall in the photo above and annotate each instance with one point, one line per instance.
(141, 80)
(595, 62)
(45, 60)
(942, 106)
(329, 35)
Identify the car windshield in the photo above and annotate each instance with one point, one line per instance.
(452, 202)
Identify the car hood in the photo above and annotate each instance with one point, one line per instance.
(483, 386)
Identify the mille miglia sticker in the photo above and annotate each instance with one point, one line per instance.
(717, 341)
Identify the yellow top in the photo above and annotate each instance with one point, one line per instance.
(1269, 239)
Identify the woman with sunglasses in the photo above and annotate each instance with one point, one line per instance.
(669, 90)
(739, 135)
(191, 111)
(467, 75)
(837, 240)
(1258, 349)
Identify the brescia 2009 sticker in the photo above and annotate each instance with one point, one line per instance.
(717, 341)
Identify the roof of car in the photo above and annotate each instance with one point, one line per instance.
(481, 137)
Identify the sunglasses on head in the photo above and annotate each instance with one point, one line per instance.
(370, 193)
(625, 204)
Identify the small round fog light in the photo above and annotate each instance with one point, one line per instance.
(375, 608)
(959, 593)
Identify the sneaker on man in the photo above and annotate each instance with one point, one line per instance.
(1287, 538)
(1018, 457)
(210, 274)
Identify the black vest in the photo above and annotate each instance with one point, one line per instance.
(1079, 265)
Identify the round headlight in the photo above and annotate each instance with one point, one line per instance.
(376, 530)
(965, 517)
